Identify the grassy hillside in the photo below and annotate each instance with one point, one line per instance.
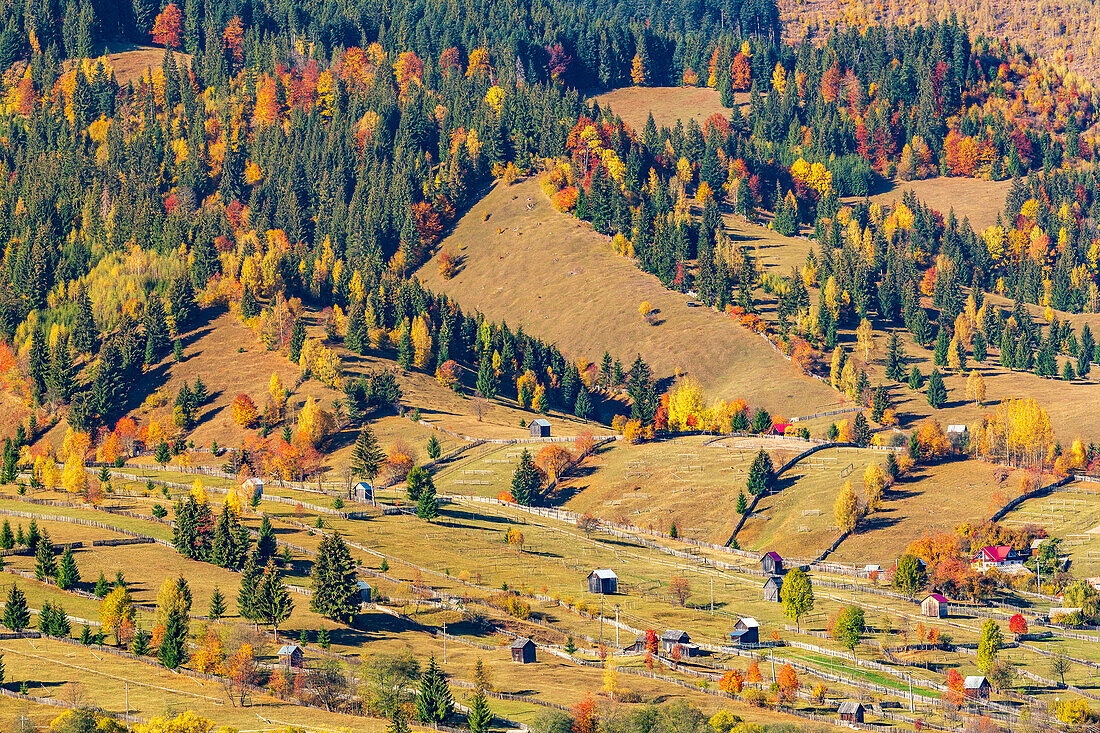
(525, 263)
(666, 104)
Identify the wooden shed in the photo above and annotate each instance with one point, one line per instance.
(976, 686)
(523, 651)
(365, 591)
(771, 563)
(363, 492)
(772, 588)
(935, 605)
(745, 631)
(672, 638)
(291, 656)
(851, 711)
(252, 489)
(540, 428)
(603, 582)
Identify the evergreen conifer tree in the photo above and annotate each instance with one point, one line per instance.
(217, 604)
(335, 590)
(526, 479)
(16, 614)
(67, 575)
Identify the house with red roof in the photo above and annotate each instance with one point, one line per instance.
(995, 556)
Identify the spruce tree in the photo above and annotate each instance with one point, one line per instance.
(742, 502)
(434, 704)
(45, 564)
(172, 651)
(367, 455)
(246, 595)
(16, 614)
(32, 537)
(217, 604)
(7, 538)
(486, 377)
(434, 449)
(67, 575)
(140, 644)
(861, 431)
(916, 379)
(266, 545)
(583, 407)
(895, 359)
(101, 587)
(526, 479)
(297, 340)
(272, 604)
(761, 473)
(427, 506)
(937, 392)
(335, 589)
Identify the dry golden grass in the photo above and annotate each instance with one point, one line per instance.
(666, 104)
(972, 198)
(561, 281)
(130, 61)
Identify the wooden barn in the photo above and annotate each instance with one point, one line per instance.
(638, 647)
(745, 631)
(977, 686)
(365, 591)
(540, 428)
(523, 651)
(771, 563)
(291, 656)
(772, 588)
(935, 605)
(851, 711)
(603, 582)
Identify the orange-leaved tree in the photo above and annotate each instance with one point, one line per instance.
(168, 28)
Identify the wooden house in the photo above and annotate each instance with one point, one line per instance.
(771, 563)
(603, 582)
(673, 637)
(523, 651)
(745, 631)
(291, 656)
(772, 587)
(977, 686)
(851, 711)
(540, 428)
(935, 605)
(994, 556)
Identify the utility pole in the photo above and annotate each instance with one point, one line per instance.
(910, 692)
(127, 684)
(444, 642)
(616, 625)
(712, 596)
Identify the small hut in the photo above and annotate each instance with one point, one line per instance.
(603, 582)
(638, 647)
(523, 651)
(540, 428)
(290, 656)
(851, 711)
(363, 492)
(745, 631)
(935, 605)
(365, 591)
(252, 489)
(771, 563)
(976, 686)
(772, 587)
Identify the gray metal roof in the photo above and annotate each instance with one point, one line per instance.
(520, 643)
(605, 573)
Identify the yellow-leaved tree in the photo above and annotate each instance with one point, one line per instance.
(846, 508)
(314, 423)
(874, 483)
